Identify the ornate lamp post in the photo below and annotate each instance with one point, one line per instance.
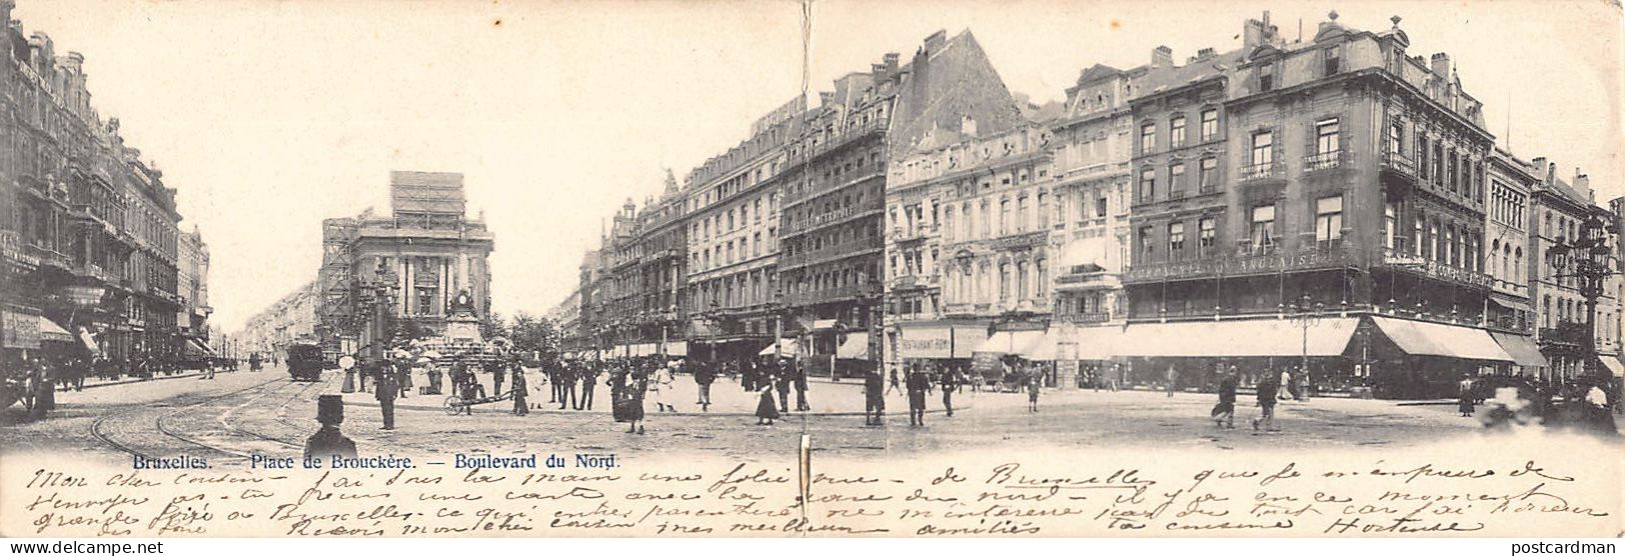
(1588, 259)
(1304, 311)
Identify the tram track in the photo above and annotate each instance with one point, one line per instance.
(106, 429)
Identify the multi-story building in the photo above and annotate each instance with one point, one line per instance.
(969, 247)
(832, 265)
(291, 318)
(88, 233)
(1509, 315)
(1559, 209)
(1345, 192)
(427, 252)
(1091, 231)
(732, 223)
(642, 276)
(192, 280)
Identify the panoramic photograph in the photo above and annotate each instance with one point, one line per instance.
(763, 257)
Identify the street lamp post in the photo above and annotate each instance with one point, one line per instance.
(1304, 311)
(1589, 256)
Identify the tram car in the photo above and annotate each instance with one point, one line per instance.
(305, 362)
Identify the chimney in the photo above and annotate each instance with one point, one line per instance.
(1441, 65)
(934, 42)
(5, 9)
(1204, 54)
(825, 98)
(1582, 182)
(74, 61)
(890, 60)
(1551, 172)
(1162, 56)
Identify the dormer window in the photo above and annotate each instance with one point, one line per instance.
(1334, 61)
(1266, 77)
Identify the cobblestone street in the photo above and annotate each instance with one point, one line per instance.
(242, 413)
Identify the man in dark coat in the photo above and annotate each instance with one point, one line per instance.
(704, 375)
(589, 382)
(781, 381)
(329, 441)
(384, 391)
(950, 382)
(874, 397)
(520, 406)
(918, 384)
(1268, 390)
(567, 384)
(799, 372)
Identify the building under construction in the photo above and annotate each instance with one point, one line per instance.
(385, 273)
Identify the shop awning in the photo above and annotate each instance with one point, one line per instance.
(677, 349)
(49, 331)
(1315, 337)
(966, 339)
(1613, 364)
(925, 342)
(1048, 347)
(1522, 349)
(787, 348)
(856, 346)
(1013, 342)
(89, 341)
(1088, 252)
(1444, 340)
(1094, 343)
(194, 349)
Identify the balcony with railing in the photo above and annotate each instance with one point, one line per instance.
(830, 218)
(1260, 172)
(1408, 261)
(902, 234)
(828, 253)
(1325, 161)
(1398, 165)
(838, 293)
(819, 186)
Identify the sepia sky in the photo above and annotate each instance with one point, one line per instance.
(269, 116)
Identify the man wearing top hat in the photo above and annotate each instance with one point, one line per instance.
(328, 441)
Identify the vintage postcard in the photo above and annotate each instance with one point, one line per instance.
(818, 268)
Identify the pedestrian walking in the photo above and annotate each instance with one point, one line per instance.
(1464, 397)
(950, 382)
(589, 383)
(874, 398)
(568, 376)
(628, 406)
(385, 390)
(1281, 385)
(1034, 383)
(328, 440)
(1268, 391)
(403, 374)
(660, 380)
(463, 380)
(435, 380)
(766, 411)
(1172, 377)
(495, 367)
(1224, 412)
(893, 385)
(798, 373)
(704, 375)
(918, 384)
(520, 406)
(781, 381)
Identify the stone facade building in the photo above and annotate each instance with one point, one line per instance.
(88, 231)
(426, 252)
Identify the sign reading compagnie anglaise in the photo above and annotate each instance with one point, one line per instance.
(1317, 258)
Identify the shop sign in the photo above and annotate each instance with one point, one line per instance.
(925, 343)
(19, 330)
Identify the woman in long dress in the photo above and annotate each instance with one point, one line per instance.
(766, 409)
